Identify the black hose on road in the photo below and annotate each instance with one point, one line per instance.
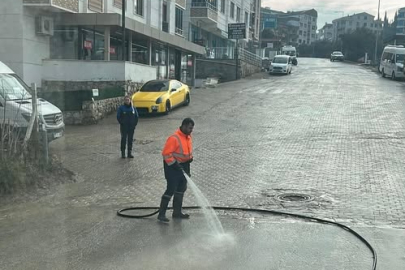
(121, 213)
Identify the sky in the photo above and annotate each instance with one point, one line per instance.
(329, 10)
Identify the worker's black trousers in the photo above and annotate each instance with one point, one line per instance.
(176, 181)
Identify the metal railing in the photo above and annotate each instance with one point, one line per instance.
(179, 31)
(219, 53)
(249, 57)
(204, 5)
(224, 53)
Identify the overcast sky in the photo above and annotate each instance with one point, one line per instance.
(329, 10)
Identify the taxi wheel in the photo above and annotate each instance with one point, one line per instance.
(168, 107)
(187, 100)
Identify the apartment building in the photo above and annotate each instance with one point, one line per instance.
(400, 31)
(299, 27)
(207, 22)
(350, 23)
(326, 32)
(57, 39)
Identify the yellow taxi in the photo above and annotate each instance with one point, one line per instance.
(161, 96)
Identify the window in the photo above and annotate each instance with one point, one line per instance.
(179, 21)
(138, 7)
(365, 17)
(299, 41)
(232, 10)
(365, 25)
(165, 12)
(223, 6)
(358, 24)
(238, 14)
(246, 18)
(300, 32)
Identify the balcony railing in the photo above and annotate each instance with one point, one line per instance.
(204, 5)
(71, 5)
(205, 11)
(179, 31)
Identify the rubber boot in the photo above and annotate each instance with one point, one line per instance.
(177, 205)
(130, 154)
(122, 154)
(163, 207)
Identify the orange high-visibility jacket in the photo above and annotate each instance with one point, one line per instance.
(178, 148)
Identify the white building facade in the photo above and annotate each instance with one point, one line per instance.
(206, 23)
(38, 33)
(350, 23)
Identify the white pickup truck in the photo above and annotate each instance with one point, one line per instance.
(16, 106)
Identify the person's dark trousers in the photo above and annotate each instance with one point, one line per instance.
(176, 185)
(127, 138)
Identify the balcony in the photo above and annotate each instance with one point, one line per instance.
(204, 13)
(56, 5)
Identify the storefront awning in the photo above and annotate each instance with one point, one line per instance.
(113, 19)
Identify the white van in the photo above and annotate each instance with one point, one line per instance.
(392, 61)
(16, 106)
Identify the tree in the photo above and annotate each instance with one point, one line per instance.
(358, 43)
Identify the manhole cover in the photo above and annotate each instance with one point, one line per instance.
(293, 197)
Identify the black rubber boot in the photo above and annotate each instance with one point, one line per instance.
(130, 154)
(163, 207)
(177, 205)
(122, 154)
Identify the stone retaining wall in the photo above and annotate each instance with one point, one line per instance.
(93, 111)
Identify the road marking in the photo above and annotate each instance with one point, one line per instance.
(279, 91)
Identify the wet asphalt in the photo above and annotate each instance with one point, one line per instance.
(333, 132)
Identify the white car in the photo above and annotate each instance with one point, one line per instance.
(16, 106)
(281, 64)
(392, 62)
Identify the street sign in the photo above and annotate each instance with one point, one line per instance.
(236, 31)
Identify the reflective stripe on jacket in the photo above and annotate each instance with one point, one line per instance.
(178, 148)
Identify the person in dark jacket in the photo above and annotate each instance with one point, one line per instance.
(127, 116)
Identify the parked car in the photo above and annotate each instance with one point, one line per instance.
(281, 64)
(392, 62)
(337, 56)
(16, 106)
(161, 96)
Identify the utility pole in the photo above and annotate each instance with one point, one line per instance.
(236, 59)
(123, 30)
(376, 35)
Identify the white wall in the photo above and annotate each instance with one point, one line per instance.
(73, 70)
(139, 72)
(35, 48)
(11, 35)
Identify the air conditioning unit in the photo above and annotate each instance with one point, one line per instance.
(44, 26)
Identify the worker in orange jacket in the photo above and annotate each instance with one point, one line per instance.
(177, 156)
